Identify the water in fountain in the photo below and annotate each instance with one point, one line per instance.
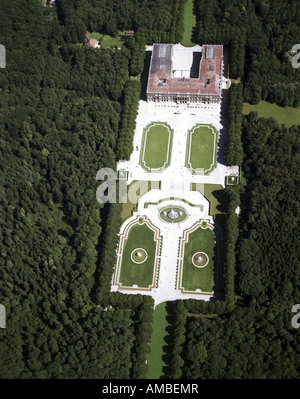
(172, 214)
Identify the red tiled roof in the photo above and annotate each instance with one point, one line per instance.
(92, 42)
(208, 82)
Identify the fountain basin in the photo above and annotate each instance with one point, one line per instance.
(173, 214)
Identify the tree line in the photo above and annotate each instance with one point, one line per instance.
(132, 93)
(259, 35)
(234, 146)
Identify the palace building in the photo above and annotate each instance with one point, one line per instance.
(185, 74)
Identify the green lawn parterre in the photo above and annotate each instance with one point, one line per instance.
(200, 240)
(202, 149)
(139, 236)
(131, 201)
(156, 147)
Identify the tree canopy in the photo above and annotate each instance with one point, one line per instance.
(259, 36)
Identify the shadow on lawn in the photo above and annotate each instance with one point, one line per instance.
(197, 13)
(167, 349)
(144, 75)
(222, 199)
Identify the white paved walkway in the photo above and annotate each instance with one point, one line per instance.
(180, 123)
(175, 182)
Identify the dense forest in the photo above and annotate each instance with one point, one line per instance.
(67, 110)
(256, 339)
(61, 109)
(160, 20)
(259, 34)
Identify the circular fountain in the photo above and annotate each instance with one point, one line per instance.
(173, 214)
(200, 259)
(139, 255)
